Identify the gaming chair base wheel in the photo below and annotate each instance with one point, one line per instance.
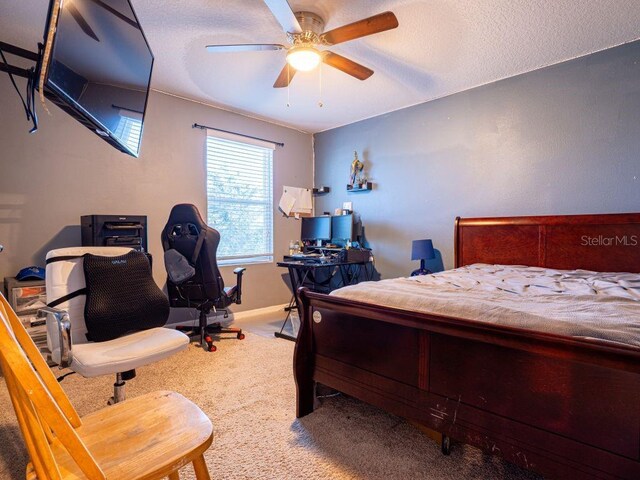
(208, 344)
(240, 336)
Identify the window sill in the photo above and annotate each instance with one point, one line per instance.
(237, 262)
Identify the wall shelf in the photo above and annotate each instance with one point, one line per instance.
(321, 190)
(361, 187)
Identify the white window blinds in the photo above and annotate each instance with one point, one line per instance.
(240, 197)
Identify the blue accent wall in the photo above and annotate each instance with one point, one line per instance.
(564, 139)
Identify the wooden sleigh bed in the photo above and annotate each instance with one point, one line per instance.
(565, 407)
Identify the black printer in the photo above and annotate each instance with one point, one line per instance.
(114, 231)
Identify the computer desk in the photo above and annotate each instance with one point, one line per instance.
(304, 272)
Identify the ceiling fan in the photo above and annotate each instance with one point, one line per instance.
(305, 33)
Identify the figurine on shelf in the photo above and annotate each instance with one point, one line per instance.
(355, 178)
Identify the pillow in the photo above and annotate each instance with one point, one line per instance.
(122, 296)
(178, 267)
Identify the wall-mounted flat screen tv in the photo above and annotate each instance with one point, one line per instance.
(99, 68)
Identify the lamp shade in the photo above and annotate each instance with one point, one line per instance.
(422, 250)
(303, 58)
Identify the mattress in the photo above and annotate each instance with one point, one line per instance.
(576, 303)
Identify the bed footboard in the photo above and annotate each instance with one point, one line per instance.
(555, 405)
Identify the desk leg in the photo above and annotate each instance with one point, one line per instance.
(368, 270)
(353, 273)
(287, 309)
(296, 282)
(344, 274)
(356, 274)
(286, 336)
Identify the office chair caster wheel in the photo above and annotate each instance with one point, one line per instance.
(445, 446)
(241, 336)
(212, 348)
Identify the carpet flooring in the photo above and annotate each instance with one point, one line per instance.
(247, 390)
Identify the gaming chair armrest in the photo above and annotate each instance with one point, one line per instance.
(239, 271)
(58, 334)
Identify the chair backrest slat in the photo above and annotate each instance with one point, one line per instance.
(39, 455)
(37, 407)
(39, 363)
(42, 457)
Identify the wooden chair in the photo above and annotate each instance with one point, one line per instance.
(147, 437)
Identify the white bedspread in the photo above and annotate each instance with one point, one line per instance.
(576, 303)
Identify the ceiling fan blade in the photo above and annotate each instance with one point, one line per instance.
(285, 77)
(283, 13)
(347, 66)
(245, 47)
(368, 26)
(82, 23)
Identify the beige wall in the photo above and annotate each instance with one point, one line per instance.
(51, 178)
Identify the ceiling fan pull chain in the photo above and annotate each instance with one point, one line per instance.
(288, 85)
(320, 104)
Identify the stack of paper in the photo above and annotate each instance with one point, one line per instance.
(296, 200)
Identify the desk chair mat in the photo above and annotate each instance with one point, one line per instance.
(122, 296)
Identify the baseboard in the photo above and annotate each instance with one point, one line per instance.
(257, 311)
(187, 316)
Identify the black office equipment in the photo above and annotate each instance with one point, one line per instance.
(342, 229)
(316, 228)
(189, 235)
(114, 231)
(354, 255)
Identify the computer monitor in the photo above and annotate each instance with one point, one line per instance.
(342, 229)
(316, 228)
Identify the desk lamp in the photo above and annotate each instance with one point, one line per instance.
(422, 250)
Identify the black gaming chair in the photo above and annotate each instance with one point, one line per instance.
(187, 233)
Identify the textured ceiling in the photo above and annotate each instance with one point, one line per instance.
(441, 47)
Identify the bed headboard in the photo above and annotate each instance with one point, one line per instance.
(607, 242)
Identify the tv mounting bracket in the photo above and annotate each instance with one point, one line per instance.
(18, 52)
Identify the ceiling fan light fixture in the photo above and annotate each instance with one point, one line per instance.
(303, 59)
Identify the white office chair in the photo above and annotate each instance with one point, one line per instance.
(67, 332)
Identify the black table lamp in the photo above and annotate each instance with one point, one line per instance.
(422, 250)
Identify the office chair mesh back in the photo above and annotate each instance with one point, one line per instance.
(65, 275)
(181, 232)
(122, 296)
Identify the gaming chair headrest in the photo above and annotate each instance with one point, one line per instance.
(184, 219)
(185, 213)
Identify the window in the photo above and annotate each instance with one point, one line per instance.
(240, 197)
